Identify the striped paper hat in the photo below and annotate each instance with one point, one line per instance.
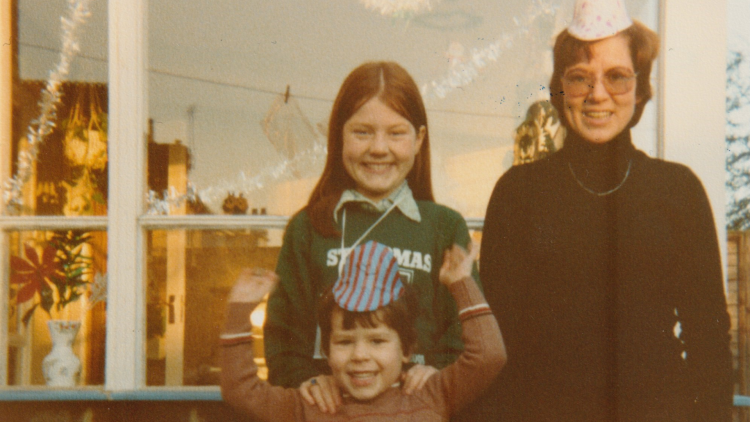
(370, 279)
(598, 19)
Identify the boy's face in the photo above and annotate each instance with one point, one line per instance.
(365, 361)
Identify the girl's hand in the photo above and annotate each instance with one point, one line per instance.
(415, 378)
(457, 263)
(252, 285)
(323, 392)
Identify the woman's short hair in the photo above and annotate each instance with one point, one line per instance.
(393, 85)
(401, 315)
(568, 51)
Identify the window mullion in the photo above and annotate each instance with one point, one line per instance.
(6, 78)
(125, 366)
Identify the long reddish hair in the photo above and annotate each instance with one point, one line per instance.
(393, 85)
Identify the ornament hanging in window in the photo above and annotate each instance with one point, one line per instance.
(290, 133)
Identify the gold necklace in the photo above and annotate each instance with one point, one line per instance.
(605, 193)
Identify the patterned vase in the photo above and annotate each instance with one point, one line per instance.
(61, 367)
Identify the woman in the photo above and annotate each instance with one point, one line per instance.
(601, 263)
(375, 186)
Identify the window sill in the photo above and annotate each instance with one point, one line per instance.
(149, 394)
(98, 394)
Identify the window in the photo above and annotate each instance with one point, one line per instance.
(56, 240)
(228, 102)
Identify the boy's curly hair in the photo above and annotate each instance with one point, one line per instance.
(401, 315)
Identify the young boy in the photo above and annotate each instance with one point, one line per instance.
(368, 333)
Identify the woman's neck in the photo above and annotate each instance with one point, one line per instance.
(599, 167)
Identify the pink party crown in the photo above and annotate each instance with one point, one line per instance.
(598, 19)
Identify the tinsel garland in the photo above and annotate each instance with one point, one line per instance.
(162, 204)
(98, 288)
(398, 8)
(77, 13)
(458, 76)
(461, 75)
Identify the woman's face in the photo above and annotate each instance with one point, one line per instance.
(605, 110)
(379, 149)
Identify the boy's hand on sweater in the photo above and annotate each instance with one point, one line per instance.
(252, 285)
(457, 263)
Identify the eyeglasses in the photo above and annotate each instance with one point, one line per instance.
(578, 83)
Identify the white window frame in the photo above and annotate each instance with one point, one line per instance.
(6, 83)
(690, 103)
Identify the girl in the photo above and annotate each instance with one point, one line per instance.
(375, 186)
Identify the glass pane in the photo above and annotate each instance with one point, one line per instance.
(190, 273)
(219, 75)
(61, 166)
(56, 275)
(737, 143)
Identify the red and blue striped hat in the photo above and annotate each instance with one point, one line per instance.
(370, 279)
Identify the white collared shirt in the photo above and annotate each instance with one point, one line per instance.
(402, 196)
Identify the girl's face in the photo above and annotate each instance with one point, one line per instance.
(379, 149)
(600, 93)
(365, 361)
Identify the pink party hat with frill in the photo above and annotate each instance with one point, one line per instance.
(598, 19)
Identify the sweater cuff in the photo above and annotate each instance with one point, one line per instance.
(237, 327)
(469, 299)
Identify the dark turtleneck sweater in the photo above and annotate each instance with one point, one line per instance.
(589, 290)
(599, 167)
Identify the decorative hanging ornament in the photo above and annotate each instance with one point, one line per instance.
(540, 134)
(290, 132)
(399, 8)
(598, 19)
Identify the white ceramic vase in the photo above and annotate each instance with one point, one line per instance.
(61, 367)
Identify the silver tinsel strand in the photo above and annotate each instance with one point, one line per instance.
(98, 290)
(399, 8)
(463, 74)
(162, 204)
(77, 13)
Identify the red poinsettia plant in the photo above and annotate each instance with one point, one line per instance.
(57, 278)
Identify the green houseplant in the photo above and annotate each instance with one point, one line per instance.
(56, 278)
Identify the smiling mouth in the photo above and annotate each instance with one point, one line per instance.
(597, 114)
(361, 379)
(377, 167)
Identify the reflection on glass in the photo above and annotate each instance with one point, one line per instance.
(246, 90)
(56, 275)
(70, 176)
(64, 171)
(190, 274)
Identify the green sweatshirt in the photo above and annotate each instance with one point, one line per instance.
(308, 264)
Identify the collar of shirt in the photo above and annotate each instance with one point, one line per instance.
(406, 203)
